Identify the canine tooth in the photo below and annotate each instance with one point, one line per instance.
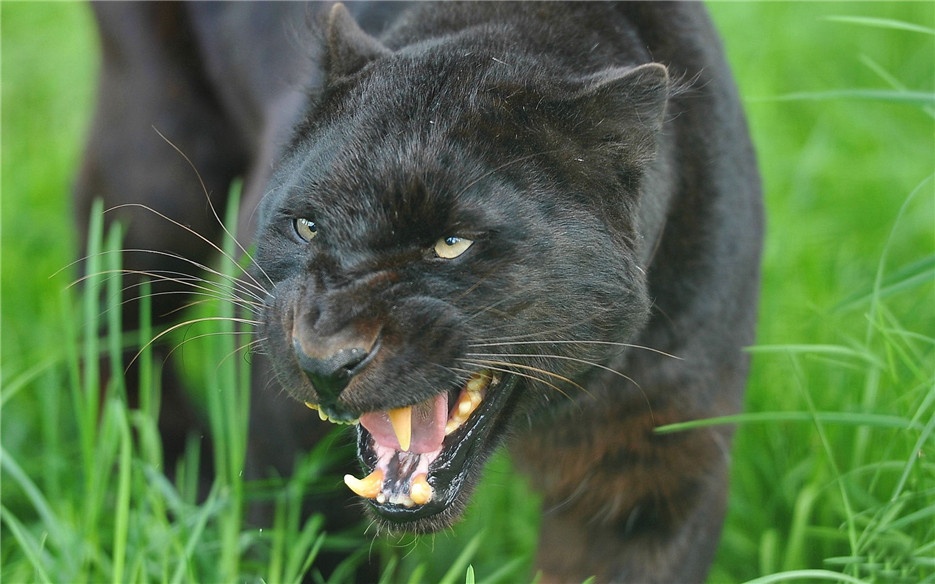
(420, 491)
(401, 420)
(311, 406)
(367, 487)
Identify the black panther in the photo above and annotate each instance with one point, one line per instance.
(475, 224)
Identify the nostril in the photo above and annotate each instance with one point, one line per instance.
(330, 375)
(348, 359)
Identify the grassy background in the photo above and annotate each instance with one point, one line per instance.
(835, 475)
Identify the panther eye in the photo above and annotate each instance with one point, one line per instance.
(305, 229)
(451, 247)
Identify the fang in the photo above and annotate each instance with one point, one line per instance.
(367, 487)
(401, 420)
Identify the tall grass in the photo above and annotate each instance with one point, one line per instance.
(832, 472)
(839, 475)
(98, 505)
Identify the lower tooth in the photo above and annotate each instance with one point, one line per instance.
(368, 487)
(420, 491)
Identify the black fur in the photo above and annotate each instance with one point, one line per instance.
(597, 156)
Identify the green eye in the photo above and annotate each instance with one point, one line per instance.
(451, 247)
(305, 229)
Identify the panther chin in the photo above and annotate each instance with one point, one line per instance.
(422, 460)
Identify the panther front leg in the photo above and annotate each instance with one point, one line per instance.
(621, 502)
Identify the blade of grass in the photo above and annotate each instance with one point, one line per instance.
(30, 547)
(199, 519)
(882, 23)
(508, 572)
(389, 569)
(905, 279)
(806, 575)
(114, 283)
(863, 355)
(117, 415)
(9, 389)
(305, 549)
(913, 98)
(842, 418)
(918, 448)
(826, 443)
(797, 541)
(58, 533)
(87, 395)
(457, 570)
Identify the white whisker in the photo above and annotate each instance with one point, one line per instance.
(188, 229)
(248, 287)
(510, 366)
(205, 298)
(191, 322)
(561, 342)
(557, 357)
(195, 284)
(204, 189)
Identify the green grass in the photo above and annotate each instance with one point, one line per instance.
(832, 470)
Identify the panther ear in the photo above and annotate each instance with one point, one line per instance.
(629, 97)
(349, 48)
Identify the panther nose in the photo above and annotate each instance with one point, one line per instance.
(331, 374)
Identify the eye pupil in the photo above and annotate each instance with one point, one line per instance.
(305, 228)
(452, 241)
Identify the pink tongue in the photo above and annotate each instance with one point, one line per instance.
(428, 426)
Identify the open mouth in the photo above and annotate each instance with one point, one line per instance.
(419, 457)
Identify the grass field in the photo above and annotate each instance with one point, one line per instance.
(833, 477)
